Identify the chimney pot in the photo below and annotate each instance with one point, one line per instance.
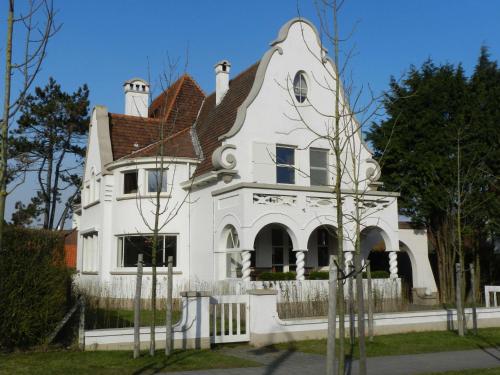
(222, 69)
(136, 97)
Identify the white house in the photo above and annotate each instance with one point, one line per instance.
(248, 187)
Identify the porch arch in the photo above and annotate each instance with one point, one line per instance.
(287, 223)
(388, 234)
(322, 242)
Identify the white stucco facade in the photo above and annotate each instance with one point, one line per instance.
(238, 219)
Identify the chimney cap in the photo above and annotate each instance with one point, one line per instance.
(136, 84)
(224, 64)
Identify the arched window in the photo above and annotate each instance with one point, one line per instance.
(233, 257)
(300, 87)
(233, 241)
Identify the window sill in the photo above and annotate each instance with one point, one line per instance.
(90, 273)
(91, 204)
(146, 271)
(144, 196)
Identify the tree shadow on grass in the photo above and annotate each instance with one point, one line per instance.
(157, 366)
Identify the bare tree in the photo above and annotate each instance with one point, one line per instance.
(342, 126)
(36, 35)
(163, 206)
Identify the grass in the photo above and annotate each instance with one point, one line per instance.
(120, 318)
(409, 343)
(483, 371)
(115, 362)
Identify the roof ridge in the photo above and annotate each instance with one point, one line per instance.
(195, 83)
(181, 82)
(178, 82)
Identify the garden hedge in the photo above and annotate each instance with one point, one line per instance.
(275, 276)
(35, 286)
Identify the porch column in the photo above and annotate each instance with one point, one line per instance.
(246, 257)
(393, 264)
(300, 263)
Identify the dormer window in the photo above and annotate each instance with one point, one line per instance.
(300, 87)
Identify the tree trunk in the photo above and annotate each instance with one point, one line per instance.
(48, 188)
(361, 311)
(137, 308)
(168, 320)
(370, 302)
(332, 318)
(5, 121)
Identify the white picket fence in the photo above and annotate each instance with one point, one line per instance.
(123, 287)
(489, 291)
(229, 319)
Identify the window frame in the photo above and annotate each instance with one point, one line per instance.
(164, 183)
(124, 174)
(315, 168)
(284, 165)
(301, 92)
(90, 252)
(120, 245)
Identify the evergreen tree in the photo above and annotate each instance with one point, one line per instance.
(51, 136)
(440, 141)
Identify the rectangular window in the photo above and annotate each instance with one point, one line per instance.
(319, 167)
(129, 247)
(130, 182)
(90, 252)
(285, 165)
(157, 181)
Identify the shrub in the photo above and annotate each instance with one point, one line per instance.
(275, 276)
(319, 275)
(35, 284)
(378, 275)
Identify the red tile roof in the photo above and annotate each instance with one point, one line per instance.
(178, 145)
(178, 109)
(215, 121)
(175, 109)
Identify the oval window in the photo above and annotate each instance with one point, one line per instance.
(300, 87)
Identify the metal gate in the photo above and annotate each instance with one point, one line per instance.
(229, 319)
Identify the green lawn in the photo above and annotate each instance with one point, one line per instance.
(409, 343)
(114, 362)
(486, 371)
(119, 318)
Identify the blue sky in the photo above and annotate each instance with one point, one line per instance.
(103, 43)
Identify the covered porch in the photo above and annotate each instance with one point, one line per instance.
(276, 249)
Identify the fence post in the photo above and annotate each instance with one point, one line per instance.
(137, 308)
(473, 288)
(168, 320)
(331, 367)
(458, 289)
(370, 301)
(81, 325)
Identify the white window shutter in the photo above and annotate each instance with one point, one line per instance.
(264, 167)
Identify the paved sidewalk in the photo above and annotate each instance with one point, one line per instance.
(285, 362)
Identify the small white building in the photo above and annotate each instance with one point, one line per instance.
(248, 188)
